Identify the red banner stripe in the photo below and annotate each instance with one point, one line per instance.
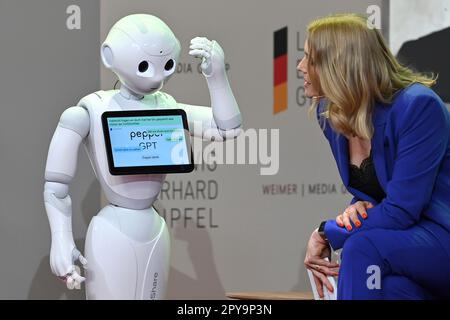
(280, 70)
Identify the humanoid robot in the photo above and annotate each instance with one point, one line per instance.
(127, 246)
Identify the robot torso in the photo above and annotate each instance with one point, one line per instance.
(131, 191)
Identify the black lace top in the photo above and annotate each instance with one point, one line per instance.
(365, 179)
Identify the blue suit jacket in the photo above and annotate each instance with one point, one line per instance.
(411, 154)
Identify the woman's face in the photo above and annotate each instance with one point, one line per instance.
(304, 67)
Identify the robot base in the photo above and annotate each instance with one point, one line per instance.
(128, 253)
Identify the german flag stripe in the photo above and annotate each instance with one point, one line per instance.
(280, 70)
(280, 42)
(280, 101)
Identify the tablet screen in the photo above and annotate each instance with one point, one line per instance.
(145, 142)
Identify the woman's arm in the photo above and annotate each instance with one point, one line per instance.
(422, 142)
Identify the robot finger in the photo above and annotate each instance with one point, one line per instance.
(202, 46)
(200, 53)
(75, 254)
(78, 280)
(200, 40)
(70, 282)
(83, 261)
(197, 39)
(74, 280)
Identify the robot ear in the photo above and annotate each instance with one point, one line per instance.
(107, 56)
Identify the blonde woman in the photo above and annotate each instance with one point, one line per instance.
(389, 134)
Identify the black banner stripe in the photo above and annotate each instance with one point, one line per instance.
(280, 39)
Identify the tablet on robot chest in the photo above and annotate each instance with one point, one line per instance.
(147, 142)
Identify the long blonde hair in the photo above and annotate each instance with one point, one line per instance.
(355, 68)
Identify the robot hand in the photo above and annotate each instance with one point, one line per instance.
(63, 256)
(213, 58)
(225, 109)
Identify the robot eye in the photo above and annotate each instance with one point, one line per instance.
(169, 65)
(143, 66)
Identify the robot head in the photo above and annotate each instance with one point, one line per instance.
(142, 51)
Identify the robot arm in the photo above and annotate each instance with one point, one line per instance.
(72, 128)
(202, 124)
(223, 120)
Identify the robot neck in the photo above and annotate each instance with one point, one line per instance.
(128, 94)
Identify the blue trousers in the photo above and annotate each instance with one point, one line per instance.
(396, 264)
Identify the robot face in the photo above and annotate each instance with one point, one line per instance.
(142, 51)
(145, 74)
(151, 73)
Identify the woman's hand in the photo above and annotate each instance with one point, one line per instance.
(316, 252)
(351, 214)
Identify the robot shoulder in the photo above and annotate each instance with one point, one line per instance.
(95, 98)
(76, 119)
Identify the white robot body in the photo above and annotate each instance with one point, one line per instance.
(138, 259)
(127, 245)
(139, 266)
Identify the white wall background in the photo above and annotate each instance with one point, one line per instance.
(44, 69)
